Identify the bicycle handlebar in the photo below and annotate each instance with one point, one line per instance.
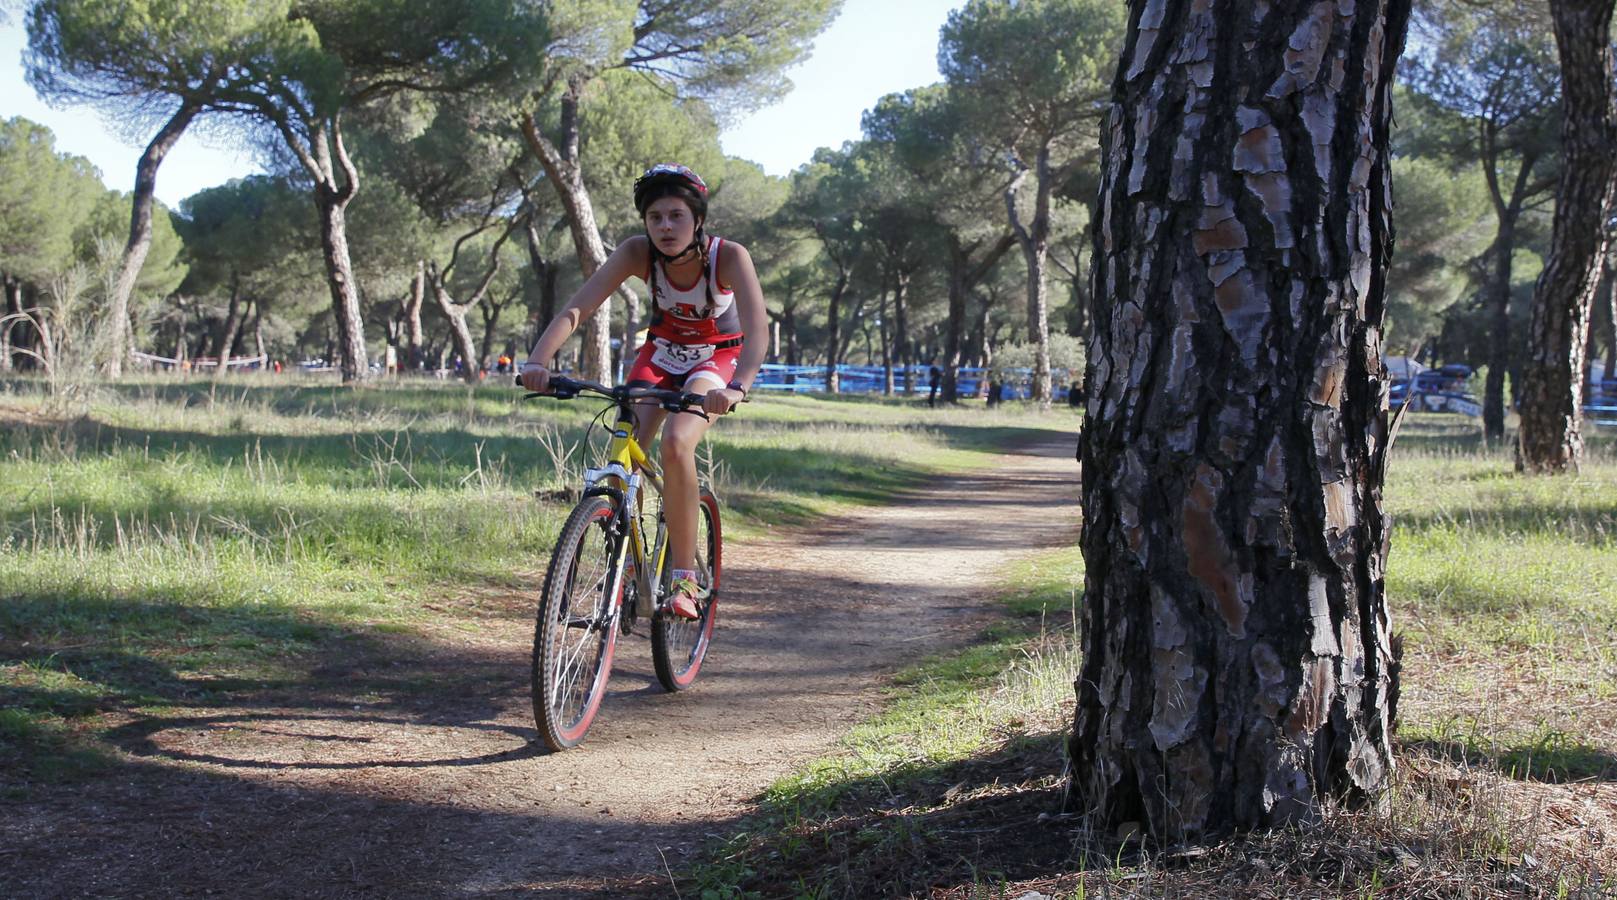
(564, 388)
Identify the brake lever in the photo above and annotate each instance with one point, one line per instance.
(555, 393)
(678, 407)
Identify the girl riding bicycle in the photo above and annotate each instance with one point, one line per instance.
(706, 337)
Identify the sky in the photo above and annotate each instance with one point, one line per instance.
(875, 47)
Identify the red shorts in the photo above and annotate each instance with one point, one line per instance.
(721, 365)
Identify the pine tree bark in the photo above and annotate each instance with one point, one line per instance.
(1551, 402)
(226, 336)
(1508, 211)
(490, 311)
(545, 272)
(566, 175)
(321, 158)
(1608, 297)
(455, 314)
(8, 325)
(886, 344)
(1237, 661)
(414, 355)
(964, 274)
(904, 349)
(140, 234)
(1034, 238)
(833, 331)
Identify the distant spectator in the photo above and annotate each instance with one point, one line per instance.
(933, 379)
(1075, 396)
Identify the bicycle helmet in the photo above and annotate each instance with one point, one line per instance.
(674, 180)
(671, 180)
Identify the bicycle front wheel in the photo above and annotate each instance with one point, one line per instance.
(576, 631)
(678, 646)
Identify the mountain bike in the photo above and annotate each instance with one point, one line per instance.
(605, 576)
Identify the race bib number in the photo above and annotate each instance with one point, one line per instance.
(677, 359)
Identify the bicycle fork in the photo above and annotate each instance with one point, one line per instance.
(632, 547)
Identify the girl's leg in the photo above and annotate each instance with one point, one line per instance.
(648, 416)
(681, 491)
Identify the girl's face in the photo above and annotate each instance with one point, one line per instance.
(671, 225)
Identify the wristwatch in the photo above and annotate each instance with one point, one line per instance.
(736, 385)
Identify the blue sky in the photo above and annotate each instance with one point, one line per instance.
(875, 47)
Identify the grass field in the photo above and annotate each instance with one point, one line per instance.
(185, 536)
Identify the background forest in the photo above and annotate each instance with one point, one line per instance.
(434, 205)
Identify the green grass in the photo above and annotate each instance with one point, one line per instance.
(189, 538)
(1505, 588)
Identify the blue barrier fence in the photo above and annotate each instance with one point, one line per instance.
(873, 380)
(1599, 408)
(1435, 391)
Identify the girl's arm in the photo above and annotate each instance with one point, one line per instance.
(628, 259)
(737, 271)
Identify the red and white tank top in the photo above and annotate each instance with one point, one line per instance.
(683, 314)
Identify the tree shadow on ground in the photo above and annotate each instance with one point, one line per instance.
(1593, 524)
(142, 660)
(147, 829)
(987, 820)
(993, 826)
(1555, 758)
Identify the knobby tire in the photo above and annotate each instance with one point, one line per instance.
(575, 633)
(678, 646)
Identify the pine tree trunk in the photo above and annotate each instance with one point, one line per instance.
(631, 328)
(344, 293)
(886, 346)
(545, 273)
(490, 311)
(455, 314)
(140, 233)
(414, 355)
(833, 332)
(326, 154)
(1035, 241)
(13, 292)
(566, 176)
(226, 337)
(236, 348)
(788, 325)
(1493, 387)
(1552, 379)
(1608, 296)
(180, 327)
(258, 337)
(1237, 662)
(963, 275)
(955, 324)
(903, 348)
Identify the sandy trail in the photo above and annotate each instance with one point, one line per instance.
(413, 772)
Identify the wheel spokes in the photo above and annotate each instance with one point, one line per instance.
(586, 614)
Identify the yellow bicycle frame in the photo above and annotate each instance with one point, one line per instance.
(625, 458)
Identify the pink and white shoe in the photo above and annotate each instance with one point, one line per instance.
(682, 594)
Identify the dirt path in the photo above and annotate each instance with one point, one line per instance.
(414, 772)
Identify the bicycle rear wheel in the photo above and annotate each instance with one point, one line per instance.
(678, 646)
(576, 632)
